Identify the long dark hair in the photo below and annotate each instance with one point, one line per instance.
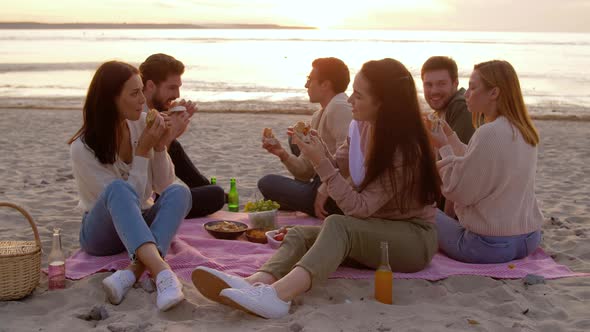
(399, 132)
(100, 130)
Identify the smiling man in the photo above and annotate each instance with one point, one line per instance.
(440, 79)
(161, 76)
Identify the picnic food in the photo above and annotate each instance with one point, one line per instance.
(261, 205)
(267, 133)
(151, 117)
(225, 226)
(268, 136)
(302, 130)
(256, 235)
(177, 108)
(433, 122)
(282, 232)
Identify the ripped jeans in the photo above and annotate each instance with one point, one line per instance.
(460, 244)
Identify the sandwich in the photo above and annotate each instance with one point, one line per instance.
(177, 108)
(302, 130)
(433, 122)
(151, 117)
(268, 137)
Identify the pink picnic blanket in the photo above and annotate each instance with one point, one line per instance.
(193, 247)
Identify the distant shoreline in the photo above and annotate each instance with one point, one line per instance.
(145, 26)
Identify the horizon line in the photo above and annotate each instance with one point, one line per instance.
(31, 25)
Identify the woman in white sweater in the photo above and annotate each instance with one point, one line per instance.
(118, 162)
(491, 180)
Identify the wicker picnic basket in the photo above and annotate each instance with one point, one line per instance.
(20, 263)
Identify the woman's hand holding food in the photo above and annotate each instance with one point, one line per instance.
(440, 134)
(152, 134)
(315, 150)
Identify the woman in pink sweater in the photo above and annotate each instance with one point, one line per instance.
(391, 197)
(491, 180)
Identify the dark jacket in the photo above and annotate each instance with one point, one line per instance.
(458, 117)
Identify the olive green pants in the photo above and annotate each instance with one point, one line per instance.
(343, 239)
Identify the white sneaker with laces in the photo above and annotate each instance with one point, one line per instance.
(169, 290)
(118, 284)
(211, 282)
(258, 299)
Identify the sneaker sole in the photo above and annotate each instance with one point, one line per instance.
(236, 305)
(209, 285)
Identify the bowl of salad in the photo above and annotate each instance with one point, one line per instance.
(262, 214)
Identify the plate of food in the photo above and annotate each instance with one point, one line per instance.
(276, 237)
(225, 229)
(256, 235)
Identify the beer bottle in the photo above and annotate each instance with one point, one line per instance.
(233, 200)
(384, 278)
(57, 263)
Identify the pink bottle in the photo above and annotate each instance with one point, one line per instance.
(57, 263)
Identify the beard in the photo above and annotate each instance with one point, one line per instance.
(160, 104)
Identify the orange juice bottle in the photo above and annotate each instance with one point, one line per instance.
(384, 278)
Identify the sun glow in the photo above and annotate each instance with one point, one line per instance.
(324, 14)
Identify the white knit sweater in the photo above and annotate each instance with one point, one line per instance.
(145, 175)
(492, 180)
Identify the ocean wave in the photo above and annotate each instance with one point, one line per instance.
(543, 110)
(297, 39)
(44, 67)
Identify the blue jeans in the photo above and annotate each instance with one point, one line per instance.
(460, 244)
(116, 221)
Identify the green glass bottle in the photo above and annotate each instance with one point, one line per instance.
(213, 180)
(233, 200)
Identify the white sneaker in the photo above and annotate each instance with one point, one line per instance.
(211, 282)
(258, 299)
(118, 284)
(169, 290)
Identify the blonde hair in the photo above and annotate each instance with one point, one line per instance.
(500, 74)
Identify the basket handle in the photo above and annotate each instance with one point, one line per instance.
(29, 219)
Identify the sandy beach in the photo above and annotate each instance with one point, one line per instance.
(35, 173)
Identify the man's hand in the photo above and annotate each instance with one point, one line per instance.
(275, 147)
(319, 205)
(176, 124)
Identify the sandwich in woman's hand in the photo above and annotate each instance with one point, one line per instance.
(268, 137)
(151, 117)
(433, 122)
(303, 131)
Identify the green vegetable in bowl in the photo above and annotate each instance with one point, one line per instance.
(261, 205)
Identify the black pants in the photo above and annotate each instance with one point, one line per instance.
(294, 195)
(207, 198)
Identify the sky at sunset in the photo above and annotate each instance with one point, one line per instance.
(494, 15)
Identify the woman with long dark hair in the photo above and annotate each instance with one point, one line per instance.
(391, 198)
(118, 162)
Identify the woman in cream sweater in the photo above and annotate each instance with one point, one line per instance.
(118, 163)
(491, 180)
